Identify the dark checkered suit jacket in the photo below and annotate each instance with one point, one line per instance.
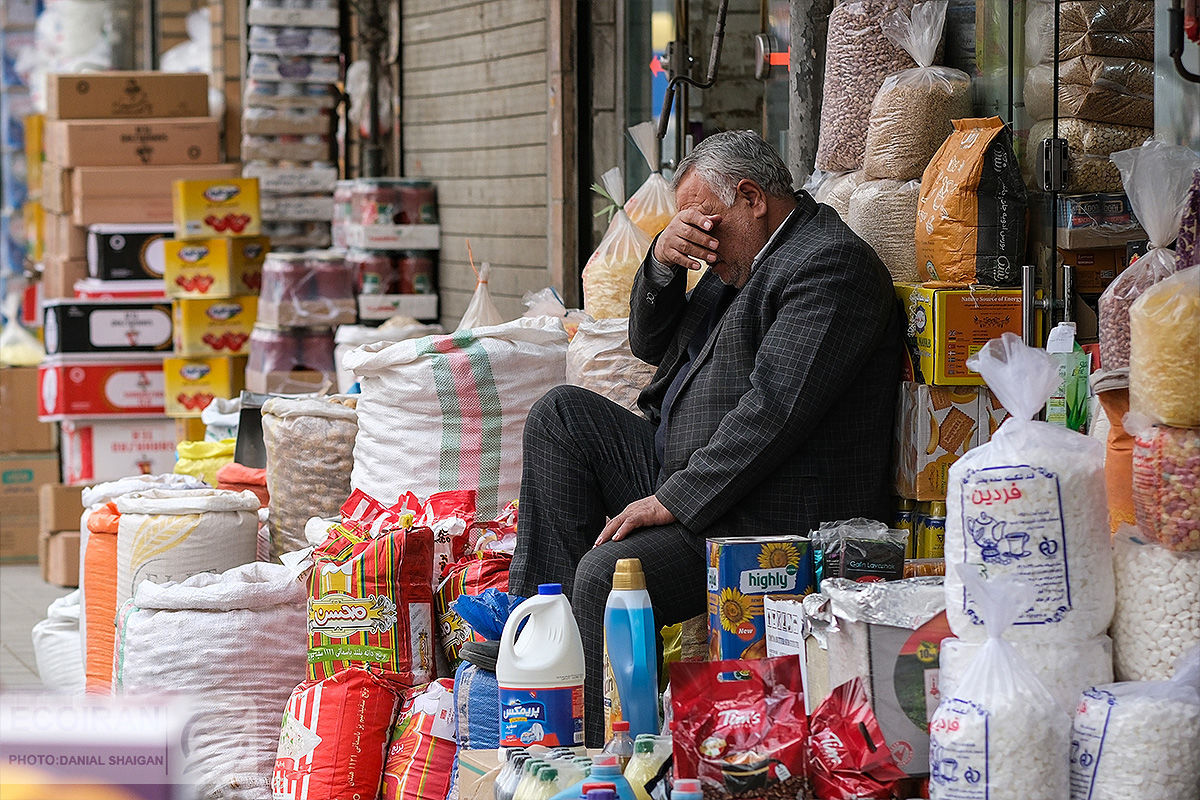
(786, 418)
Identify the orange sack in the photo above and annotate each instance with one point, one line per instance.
(100, 577)
(1118, 466)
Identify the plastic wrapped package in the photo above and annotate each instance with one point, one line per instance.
(1164, 359)
(1187, 246)
(599, 359)
(609, 272)
(884, 214)
(1157, 616)
(1120, 728)
(859, 550)
(1119, 91)
(912, 111)
(1030, 503)
(858, 57)
(1089, 144)
(1166, 483)
(1064, 668)
(1001, 735)
(204, 460)
(836, 189)
(1123, 28)
(652, 206)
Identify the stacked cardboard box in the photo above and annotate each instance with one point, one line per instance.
(28, 459)
(59, 510)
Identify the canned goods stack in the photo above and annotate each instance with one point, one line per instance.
(287, 122)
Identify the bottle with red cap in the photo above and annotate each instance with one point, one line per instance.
(606, 771)
(686, 789)
(620, 744)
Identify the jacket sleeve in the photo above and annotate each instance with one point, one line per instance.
(655, 311)
(830, 318)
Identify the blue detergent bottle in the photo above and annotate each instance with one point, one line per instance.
(605, 770)
(687, 789)
(631, 666)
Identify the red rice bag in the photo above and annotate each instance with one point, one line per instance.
(421, 755)
(333, 742)
(741, 727)
(848, 757)
(450, 515)
(470, 576)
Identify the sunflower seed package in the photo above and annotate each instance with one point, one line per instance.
(741, 572)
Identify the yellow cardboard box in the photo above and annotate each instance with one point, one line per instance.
(214, 327)
(220, 267)
(223, 207)
(935, 425)
(192, 383)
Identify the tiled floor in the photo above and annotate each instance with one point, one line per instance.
(23, 600)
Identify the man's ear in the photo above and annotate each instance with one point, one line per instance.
(754, 196)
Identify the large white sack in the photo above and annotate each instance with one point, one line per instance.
(448, 412)
(56, 646)
(234, 646)
(172, 535)
(599, 359)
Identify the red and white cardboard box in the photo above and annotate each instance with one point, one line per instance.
(105, 450)
(99, 387)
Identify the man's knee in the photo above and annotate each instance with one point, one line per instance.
(547, 415)
(593, 576)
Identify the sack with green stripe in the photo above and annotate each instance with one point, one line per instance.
(448, 412)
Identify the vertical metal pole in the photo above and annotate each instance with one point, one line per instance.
(1028, 280)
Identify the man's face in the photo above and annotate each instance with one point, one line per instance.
(740, 233)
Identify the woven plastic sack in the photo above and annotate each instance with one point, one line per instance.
(229, 644)
(599, 359)
(333, 742)
(1166, 483)
(1001, 735)
(608, 274)
(912, 111)
(421, 753)
(233, 477)
(1164, 358)
(884, 214)
(56, 647)
(652, 206)
(1156, 177)
(470, 577)
(99, 573)
(310, 455)
(170, 536)
(204, 459)
(1030, 504)
(1118, 457)
(1121, 727)
(448, 412)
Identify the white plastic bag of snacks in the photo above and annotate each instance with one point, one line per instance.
(1166, 482)
(608, 274)
(1139, 739)
(1031, 504)
(1156, 177)
(1164, 350)
(835, 189)
(1089, 145)
(884, 214)
(1064, 668)
(857, 59)
(912, 111)
(599, 359)
(1157, 616)
(653, 204)
(1001, 735)
(310, 455)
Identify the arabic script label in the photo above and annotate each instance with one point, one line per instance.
(958, 752)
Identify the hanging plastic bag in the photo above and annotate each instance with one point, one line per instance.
(481, 311)
(1164, 358)
(652, 206)
(1031, 504)
(1001, 735)
(1120, 728)
(912, 111)
(608, 275)
(1156, 177)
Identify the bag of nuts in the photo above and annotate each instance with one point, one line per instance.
(1089, 145)
(912, 111)
(884, 214)
(834, 189)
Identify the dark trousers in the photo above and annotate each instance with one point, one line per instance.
(585, 459)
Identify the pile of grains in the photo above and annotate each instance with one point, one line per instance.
(1089, 144)
(836, 190)
(1164, 362)
(884, 214)
(910, 119)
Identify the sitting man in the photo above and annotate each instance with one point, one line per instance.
(771, 410)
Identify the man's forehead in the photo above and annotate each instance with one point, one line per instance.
(694, 190)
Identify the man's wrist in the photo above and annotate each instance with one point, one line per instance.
(660, 274)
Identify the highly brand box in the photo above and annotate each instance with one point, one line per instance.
(220, 267)
(741, 572)
(89, 326)
(20, 430)
(126, 95)
(935, 426)
(20, 476)
(193, 383)
(214, 327)
(104, 450)
(947, 325)
(58, 557)
(120, 143)
(59, 507)
(99, 387)
(127, 252)
(209, 208)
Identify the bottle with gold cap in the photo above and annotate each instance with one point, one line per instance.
(631, 666)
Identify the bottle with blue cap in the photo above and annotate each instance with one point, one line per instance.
(540, 673)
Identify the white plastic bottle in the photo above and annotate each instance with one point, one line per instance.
(541, 674)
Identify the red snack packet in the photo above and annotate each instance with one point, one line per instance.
(741, 727)
(848, 756)
(450, 515)
(471, 576)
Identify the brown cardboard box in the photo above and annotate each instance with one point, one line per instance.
(59, 507)
(58, 557)
(20, 431)
(935, 426)
(20, 476)
(64, 239)
(59, 276)
(133, 194)
(283, 382)
(121, 143)
(56, 188)
(1094, 269)
(126, 95)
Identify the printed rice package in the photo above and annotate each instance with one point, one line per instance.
(652, 206)
(333, 741)
(371, 601)
(608, 274)
(971, 212)
(421, 753)
(471, 576)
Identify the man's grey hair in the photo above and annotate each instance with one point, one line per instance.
(724, 159)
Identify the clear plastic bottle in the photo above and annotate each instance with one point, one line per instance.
(506, 780)
(529, 779)
(621, 744)
(687, 789)
(547, 785)
(649, 753)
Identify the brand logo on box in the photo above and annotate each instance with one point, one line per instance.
(224, 311)
(194, 372)
(17, 476)
(757, 581)
(253, 250)
(221, 194)
(339, 615)
(193, 253)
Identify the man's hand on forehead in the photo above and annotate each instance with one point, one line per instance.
(688, 240)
